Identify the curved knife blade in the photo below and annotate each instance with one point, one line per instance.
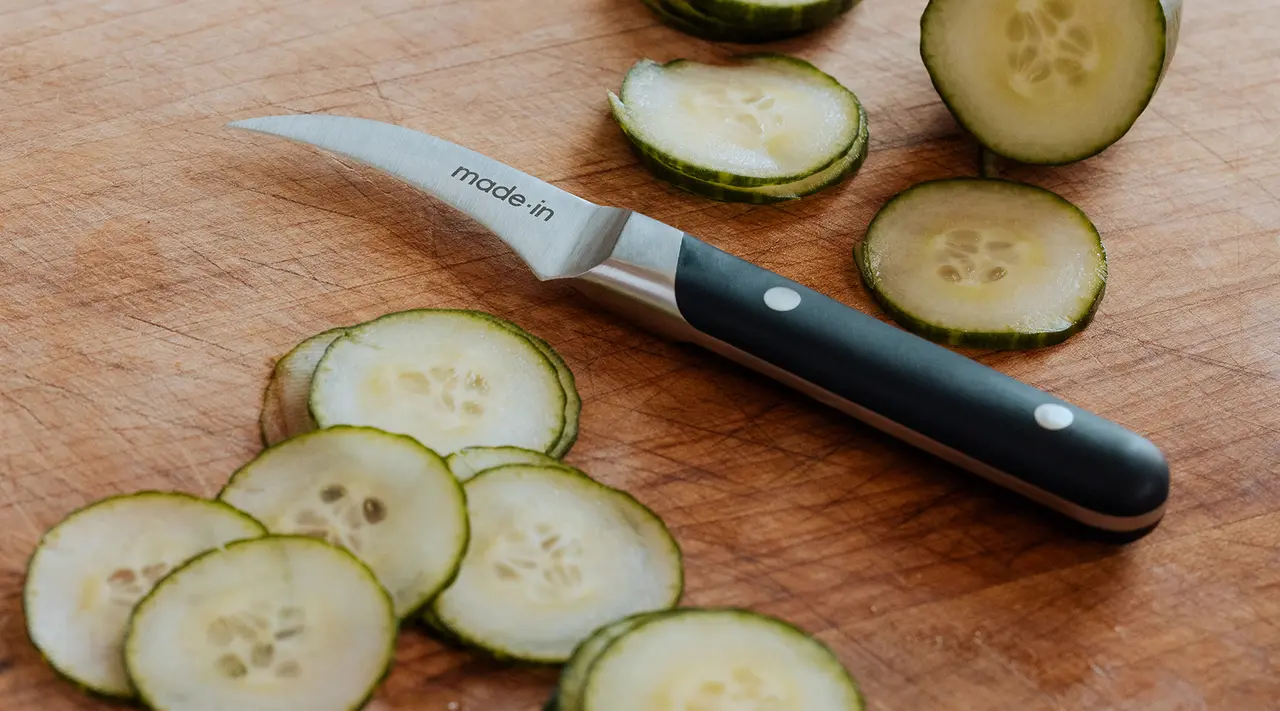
(558, 234)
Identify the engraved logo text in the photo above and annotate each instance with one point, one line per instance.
(505, 193)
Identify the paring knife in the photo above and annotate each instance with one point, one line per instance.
(1083, 466)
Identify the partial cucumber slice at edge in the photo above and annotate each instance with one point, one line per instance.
(713, 32)
(1056, 97)
(780, 14)
(696, 654)
(285, 410)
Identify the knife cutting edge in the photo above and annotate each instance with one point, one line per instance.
(1049, 451)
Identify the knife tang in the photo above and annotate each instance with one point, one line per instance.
(1021, 438)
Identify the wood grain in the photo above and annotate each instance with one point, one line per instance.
(152, 265)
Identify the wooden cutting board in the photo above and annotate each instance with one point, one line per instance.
(153, 264)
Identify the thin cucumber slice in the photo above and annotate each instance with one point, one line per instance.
(273, 624)
(450, 379)
(385, 497)
(573, 401)
(985, 263)
(90, 569)
(1048, 81)
(469, 461)
(679, 19)
(779, 14)
(553, 556)
(833, 175)
(718, 659)
(284, 404)
(762, 119)
(575, 672)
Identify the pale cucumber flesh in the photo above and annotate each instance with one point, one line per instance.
(450, 379)
(553, 556)
(984, 263)
(718, 659)
(762, 119)
(1047, 81)
(384, 497)
(278, 623)
(574, 675)
(828, 177)
(91, 569)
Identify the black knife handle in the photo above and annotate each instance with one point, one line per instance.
(1082, 465)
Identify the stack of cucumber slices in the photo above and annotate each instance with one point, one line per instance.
(748, 21)
(763, 128)
(412, 471)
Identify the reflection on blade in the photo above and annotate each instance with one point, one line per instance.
(556, 233)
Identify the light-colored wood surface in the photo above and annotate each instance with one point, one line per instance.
(152, 264)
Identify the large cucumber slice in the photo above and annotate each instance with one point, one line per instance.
(450, 379)
(829, 177)
(986, 263)
(762, 119)
(385, 497)
(469, 461)
(273, 624)
(90, 569)
(1048, 81)
(284, 405)
(573, 676)
(553, 556)
(718, 659)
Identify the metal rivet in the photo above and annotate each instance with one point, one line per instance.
(780, 298)
(1053, 417)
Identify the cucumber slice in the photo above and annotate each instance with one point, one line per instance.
(90, 569)
(986, 263)
(450, 379)
(709, 29)
(469, 461)
(574, 675)
(385, 497)
(763, 119)
(833, 175)
(272, 624)
(779, 14)
(284, 405)
(573, 401)
(1048, 81)
(553, 556)
(718, 659)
